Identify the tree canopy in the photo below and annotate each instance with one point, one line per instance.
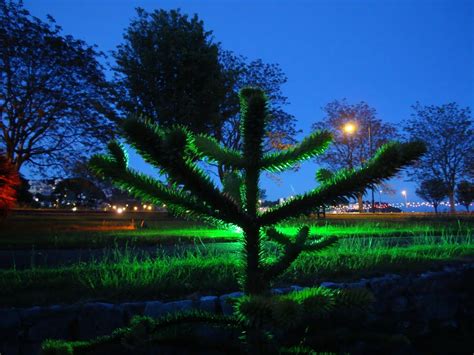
(447, 131)
(432, 191)
(465, 193)
(77, 191)
(168, 70)
(171, 70)
(54, 99)
(351, 149)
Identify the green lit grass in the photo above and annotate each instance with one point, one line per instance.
(56, 230)
(124, 277)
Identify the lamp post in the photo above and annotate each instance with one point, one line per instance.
(380, 199)
(404, 193)
(350, 128)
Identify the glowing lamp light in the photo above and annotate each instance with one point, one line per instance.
(120, 210)
(349, 128)
(149, 207)
(74, 209)
(135, 208)
(404, 193)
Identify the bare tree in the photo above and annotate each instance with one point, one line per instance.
(53, 94)
(447, 132)
(432, 191)
(357, 132)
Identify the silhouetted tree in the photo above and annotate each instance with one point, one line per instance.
(350, 150)
(23, 194)
(432, 191)
(447, 132)
(238, 73)
(77, 191)
(465, 193)
(54, 103)
(170, 70)
(176, 151)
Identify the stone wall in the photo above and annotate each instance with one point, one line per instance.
(413, 305)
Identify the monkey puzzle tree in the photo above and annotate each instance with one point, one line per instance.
(177, 151)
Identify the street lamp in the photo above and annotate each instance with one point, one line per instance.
(350, 128)
(404, 193)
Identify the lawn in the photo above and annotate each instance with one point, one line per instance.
(123, 276)
(368, 245)
(66, 229)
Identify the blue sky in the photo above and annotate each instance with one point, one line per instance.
(387, 53)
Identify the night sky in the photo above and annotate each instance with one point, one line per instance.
(387, 53)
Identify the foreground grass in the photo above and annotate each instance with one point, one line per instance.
(124, 277)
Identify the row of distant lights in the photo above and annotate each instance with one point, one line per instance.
(122, 209)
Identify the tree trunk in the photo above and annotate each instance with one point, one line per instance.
(435, 205)
(452, 206)
(254, 283)
(360, 202)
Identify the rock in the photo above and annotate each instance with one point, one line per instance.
(153, 309)
(399, 304)
(436, 307)
(208, 303)
(158, 309)
(29, 315)
(360, 284)
(9, 324)
(226, 306)
(284, 290)
(177, 306)
(132, 309)
(96, 319)
(330, 284)
(276, 291)
(9, 348)
(29, 348)
(54, 323)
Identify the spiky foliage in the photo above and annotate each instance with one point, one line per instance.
(143, 331)
(176, 152)
(9, 181)
(301, 307)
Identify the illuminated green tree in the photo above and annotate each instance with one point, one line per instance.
(177, 153)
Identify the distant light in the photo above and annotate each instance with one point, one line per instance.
(404, 192)
(135, 208)
(144, 206)
(74, 209)
(149, 207)
(114, 207)
(119, 210)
